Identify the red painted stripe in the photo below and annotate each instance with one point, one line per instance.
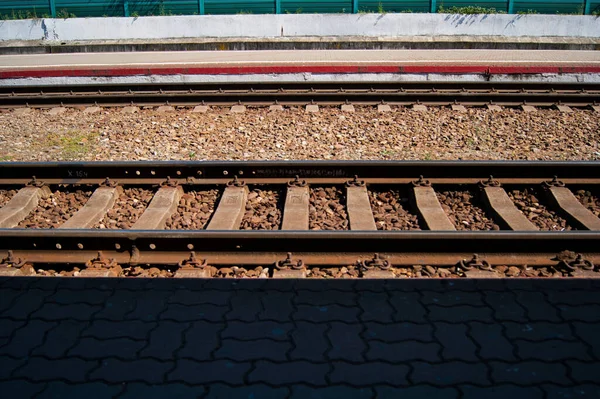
(347, 69)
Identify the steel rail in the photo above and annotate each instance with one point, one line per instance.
(259, 94)
(401, 248)
(280, 172)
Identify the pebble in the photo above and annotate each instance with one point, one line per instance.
(327, 209)
(364, 134)
(464, 211)
(389, 213)
(527, 201)
(53, 211)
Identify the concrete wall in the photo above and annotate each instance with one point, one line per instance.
(265, 26)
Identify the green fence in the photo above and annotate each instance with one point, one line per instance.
(18, 9)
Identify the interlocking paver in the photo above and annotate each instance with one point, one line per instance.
(408, 307)
(449, 374)
(23, 306)
(320, 314)
(113, 371)
(74, 311)
(529, 373)
(132, 329)
(277, 306)
(60, 338)
(452, 298)
(7, 327)
(325, 297)
(89, 296)
(8, 365)
(584, 372)
(197, 373)
(241, 338)
(245, 306)
(8, 298)
(309, 342)
(394, 332)
(164, 340)
(589, 333)
(68, 369)
(253, 350)
(93, 390)
(20, 388)
(537, 306)
(171, 391)
(404, 351)
(501, 392)
(574, 298)
(346, 342)
(586, 391)
(295, 372)
(255, 391)
(461, 313)
(586, 313)
(456, 343)
(416, 392)
(376, 307)
(551, 350)
(121, 348)
(539, 331)
(205, 312)
(199, 297)
(505, 306)
(149, 305)
(368, 374)
(201, 340)
(26, 338)
(116, 306)
(259, 329)
(330, 392)
(493, 345)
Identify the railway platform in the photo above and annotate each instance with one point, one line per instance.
(299, 339)
(300, 66)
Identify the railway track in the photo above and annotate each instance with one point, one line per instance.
(263, 94)
(309, 219)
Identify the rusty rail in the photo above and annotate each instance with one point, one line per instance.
(263, 94)
(223, 245)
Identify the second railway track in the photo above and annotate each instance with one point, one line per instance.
(370, 219)
(293, 94)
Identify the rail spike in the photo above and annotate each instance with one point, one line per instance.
(554, 183)
(355, 182)
(192, 262)
(569, 262)
(421, 182)
(377, 262)
(490, 182)
(288, 263)
(236, 183)
(297, 182)
(474, 263)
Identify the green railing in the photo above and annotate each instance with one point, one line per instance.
(18, 9)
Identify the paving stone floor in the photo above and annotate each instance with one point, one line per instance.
(252, 339)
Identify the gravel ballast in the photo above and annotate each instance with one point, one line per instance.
(53, 211)
(5, 196)
(389, 212)
(465, 211)
(589, 200)
(439, 133)
(262, 212)
(327, 209)
(127, 209)
(528, 201)
(194, 211)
